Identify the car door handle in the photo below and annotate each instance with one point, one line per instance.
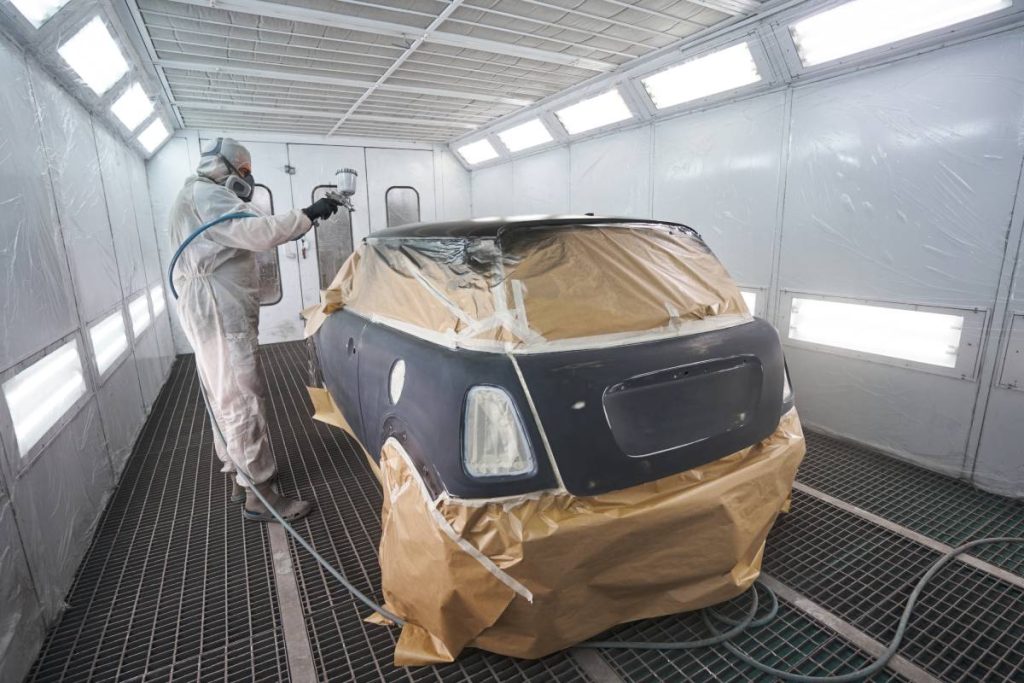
(351, 346)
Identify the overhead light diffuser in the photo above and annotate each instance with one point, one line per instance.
(594, 112)
(526, 135)
(138, 310)
(109, 340)
(863, 24)
(717, 72)
(749, 298)
(95, 56)
(132, 107)
(920, 336)
(478, 152)
(154, 135)
(38, 396)
(38, 11)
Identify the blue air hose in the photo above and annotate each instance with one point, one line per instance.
(196, 233)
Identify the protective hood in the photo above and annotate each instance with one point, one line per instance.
(222, 160)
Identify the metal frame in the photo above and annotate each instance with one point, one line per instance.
(971, 336)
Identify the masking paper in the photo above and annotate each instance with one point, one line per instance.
(528, 288)
(530, 576)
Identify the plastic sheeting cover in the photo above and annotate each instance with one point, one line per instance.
(534, 288)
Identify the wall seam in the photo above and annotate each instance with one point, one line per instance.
(773, 291)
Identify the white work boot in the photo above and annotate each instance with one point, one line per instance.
(290, 509)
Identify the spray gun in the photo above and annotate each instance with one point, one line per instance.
(346, 187)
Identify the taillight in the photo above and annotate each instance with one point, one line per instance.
(494, 443)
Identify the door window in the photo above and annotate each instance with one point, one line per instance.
(333, 239)
(403, 205)
(268, 262)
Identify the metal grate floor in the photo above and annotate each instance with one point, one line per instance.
(177, 587)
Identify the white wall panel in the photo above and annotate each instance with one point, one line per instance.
(900, 187)
(387, 168)
(452, 186)
(492, 192)
(82, 208)
(21, 623)
(57, 501)
(122, 411)
(540, 183)
(117, 185)
(611, 175)
(719, 171)
(36, 306)
(901, 180)
(150, 366)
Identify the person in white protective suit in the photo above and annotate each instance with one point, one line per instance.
(217, 280)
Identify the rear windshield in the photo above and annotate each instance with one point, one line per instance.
(541, 286)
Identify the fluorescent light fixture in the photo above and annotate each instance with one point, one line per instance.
(477, 152)
(717, 72)
(38, 11)
(138, 309)
(133, 106)
(95, 56)
(863, 24)
(594, 112)
(109, 340)
(154, 135)
(919, 336)
(157, 297)
(526, 135)
(750, 298)
(38, 396)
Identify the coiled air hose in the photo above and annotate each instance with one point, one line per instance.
(713, 620)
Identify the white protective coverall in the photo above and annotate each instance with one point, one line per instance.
(218, 305)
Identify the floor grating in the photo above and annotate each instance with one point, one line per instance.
(932, 504)
(176, 587)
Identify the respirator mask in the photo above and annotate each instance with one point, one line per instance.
(242, 184)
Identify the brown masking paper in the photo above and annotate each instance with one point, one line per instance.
(537, 574)
(535, 287)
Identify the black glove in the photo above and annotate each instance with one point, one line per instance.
(321, 208)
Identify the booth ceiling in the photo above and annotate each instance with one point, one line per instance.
(427, 70)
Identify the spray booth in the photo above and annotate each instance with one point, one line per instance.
(511, 340)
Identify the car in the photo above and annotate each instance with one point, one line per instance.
(586, 354)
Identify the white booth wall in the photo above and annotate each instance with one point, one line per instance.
(894, 185)
(77, 244)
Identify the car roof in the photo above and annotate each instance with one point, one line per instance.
(492, 227)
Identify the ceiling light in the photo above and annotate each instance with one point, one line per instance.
(863, 24)
(133, 107)
(95, 56)
(594, 112)
(478, 152)
(38, 11)
(717, 72)
(38, 396)
(154, 135)
(526, 135)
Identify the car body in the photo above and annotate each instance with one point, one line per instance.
(581, 353)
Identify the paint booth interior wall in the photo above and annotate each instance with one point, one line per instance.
(889, 186)
(77, 245)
